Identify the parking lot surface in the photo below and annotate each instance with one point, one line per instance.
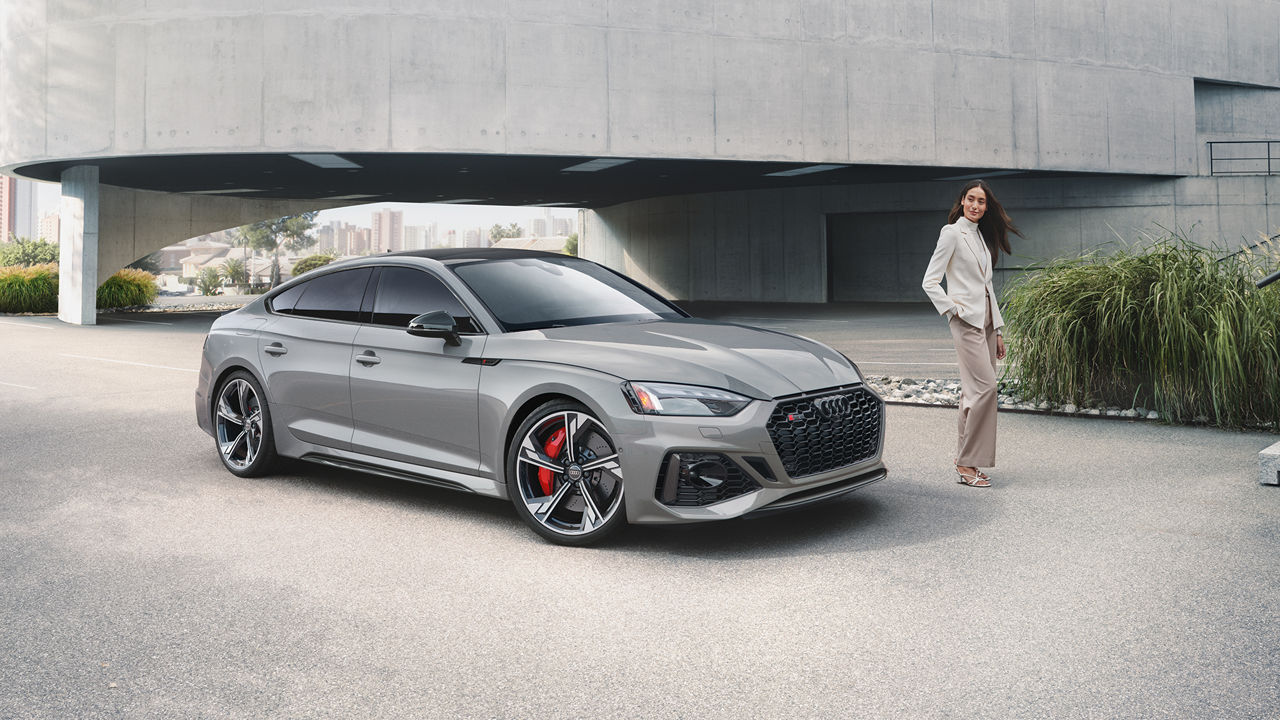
(1116, 569)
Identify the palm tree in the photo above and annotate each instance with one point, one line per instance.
(235, 271)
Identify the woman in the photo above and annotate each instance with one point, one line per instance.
(966, 253)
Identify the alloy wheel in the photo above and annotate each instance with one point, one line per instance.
(567, 474)
(239, 424)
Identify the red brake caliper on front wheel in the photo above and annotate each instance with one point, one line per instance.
(554, 444)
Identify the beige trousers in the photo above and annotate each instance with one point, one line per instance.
(976, 353)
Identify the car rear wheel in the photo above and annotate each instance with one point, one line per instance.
(243, 426)
(563, 475)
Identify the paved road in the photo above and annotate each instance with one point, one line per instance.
(1116, 570)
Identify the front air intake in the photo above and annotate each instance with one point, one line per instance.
(697, 479)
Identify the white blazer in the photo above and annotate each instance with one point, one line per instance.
(963, 257)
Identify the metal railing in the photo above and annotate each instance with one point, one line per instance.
(1244, 157)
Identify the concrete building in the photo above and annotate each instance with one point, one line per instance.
(18, 210)
(799, 150)
(388, 231)
(50, 227)
(7, 215)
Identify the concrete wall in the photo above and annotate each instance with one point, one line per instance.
(773, 245)
(1094, 85)
(133, 223)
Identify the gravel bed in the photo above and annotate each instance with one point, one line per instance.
(912, 391)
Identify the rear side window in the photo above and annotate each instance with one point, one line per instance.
(284, 302)
(335, 296)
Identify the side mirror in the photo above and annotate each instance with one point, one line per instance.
(435, 324)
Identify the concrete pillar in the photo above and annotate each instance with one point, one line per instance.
(78, 262)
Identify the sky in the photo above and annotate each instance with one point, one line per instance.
(448, 216)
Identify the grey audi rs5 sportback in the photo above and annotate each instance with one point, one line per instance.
(584, 397)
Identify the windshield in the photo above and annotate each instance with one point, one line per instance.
(533, 293)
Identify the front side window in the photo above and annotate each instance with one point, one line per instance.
(335, 296)
(405, 293)
(532, 293)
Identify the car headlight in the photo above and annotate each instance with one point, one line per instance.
(654, 398)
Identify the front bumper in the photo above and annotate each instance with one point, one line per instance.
(743, 439)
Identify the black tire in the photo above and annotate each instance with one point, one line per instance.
(242, 431)
(586, 500)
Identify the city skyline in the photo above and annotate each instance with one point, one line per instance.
(447, 217)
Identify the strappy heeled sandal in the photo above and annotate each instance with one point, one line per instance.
(973, 480)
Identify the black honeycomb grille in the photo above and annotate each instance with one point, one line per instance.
(828, 430)
(684, 482)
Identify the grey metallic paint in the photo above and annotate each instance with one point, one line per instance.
(399, 428)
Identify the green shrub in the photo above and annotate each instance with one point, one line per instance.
(29, 289)
(311, 262)
(28, 252)
(1164, 326)
(35, 289)
(127, 288)
(208, 281)
(235, 271)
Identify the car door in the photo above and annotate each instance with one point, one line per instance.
(414, 399)
(304, 350)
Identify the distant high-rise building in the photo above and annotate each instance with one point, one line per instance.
(475, 238)
(8, 189)
(50, 226)
(325, 241)
(18, 209)
(26, 220)
(388, 230)
(415, 237)
(538, 227)
(560, 227)
(361, 241)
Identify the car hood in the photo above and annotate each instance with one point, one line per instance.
(751, 361)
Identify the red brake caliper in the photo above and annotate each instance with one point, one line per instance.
(552, 449)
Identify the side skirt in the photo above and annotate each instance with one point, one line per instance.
(436, 478)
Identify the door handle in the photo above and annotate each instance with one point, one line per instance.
(275, 349)
(368, 358)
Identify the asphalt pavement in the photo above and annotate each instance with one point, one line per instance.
(1116, 569)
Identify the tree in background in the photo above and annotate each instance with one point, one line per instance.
(268, 236)
(498, 232)
(571, 245)
(311, 262)
(208, 281)
(27, 252)
(235, 271)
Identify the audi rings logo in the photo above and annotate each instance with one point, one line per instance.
(834, 406)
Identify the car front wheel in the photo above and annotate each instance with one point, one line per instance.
(243, 426)
(563, 475)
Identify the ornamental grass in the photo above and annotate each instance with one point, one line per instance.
(29, 289)
(1165, 325)
(35, 289)
(128, 288)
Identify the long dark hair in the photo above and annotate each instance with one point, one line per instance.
(995, 224)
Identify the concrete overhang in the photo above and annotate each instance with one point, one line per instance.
(480, 179)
